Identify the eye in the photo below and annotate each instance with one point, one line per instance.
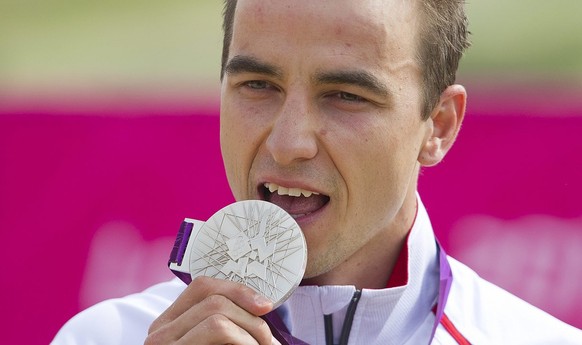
(350, 97)
(348, 102)
(257, 84)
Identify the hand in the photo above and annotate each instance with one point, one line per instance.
(213, 311)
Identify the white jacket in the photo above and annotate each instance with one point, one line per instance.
(476, 311)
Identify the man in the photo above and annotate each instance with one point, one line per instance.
(340, 102)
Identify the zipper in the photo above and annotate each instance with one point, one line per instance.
(348, 321)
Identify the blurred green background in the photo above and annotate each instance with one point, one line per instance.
(82, 46)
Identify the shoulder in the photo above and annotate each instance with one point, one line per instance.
(485, 313)
(121, 320)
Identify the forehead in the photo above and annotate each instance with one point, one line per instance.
(381, 32)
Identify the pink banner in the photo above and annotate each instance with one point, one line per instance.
(89, 205)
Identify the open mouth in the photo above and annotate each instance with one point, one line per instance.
(296, 201)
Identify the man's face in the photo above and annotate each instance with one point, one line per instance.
(322, 99)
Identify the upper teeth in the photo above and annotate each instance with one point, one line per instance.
(288, 191)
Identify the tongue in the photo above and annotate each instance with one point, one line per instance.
(299, 205)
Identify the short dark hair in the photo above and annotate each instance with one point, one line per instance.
(444, 37)
(227, 24)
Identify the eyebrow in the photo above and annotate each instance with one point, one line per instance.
(247, 64)
(357, 78)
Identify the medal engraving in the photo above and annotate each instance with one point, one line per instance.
(255, 243)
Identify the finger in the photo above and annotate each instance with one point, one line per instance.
(218, 329)
(202, 287)
(215, 329)
(222, 307)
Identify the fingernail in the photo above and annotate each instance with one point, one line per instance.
(261, 300)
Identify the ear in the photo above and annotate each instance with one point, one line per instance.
(443, 125)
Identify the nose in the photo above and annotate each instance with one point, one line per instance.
(293, 134)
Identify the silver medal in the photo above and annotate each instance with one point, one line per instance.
(255, 243)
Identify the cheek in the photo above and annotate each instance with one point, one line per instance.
(241, 136)
(361, 153)
(233, 146)
(364, 146)
(375, 157)
(231, 164)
